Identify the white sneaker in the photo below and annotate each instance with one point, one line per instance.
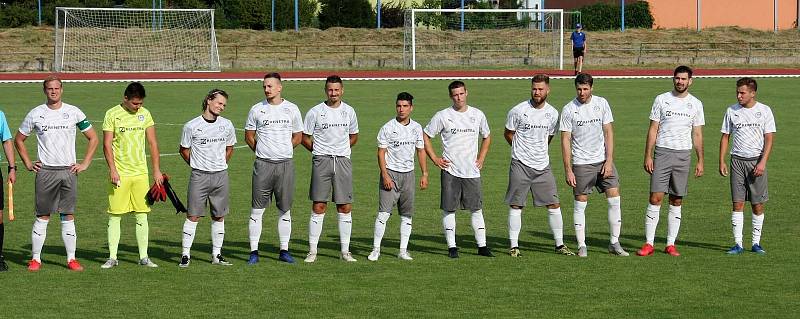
(219, 261)
(311, 257)
(616, 249)
(404, 255)
(373, 256)
(110, 263)
(147, 263)
(347, 256)
(582, 251)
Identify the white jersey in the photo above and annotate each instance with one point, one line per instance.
(274, 126)
(55, 132)
(676, 117)
(331, 128)
(747, 127)
(460, 132)
(532, 131)
(585, 122)
(207, 142)
(400, 142)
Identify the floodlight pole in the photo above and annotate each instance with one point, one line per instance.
(462, 15)
(40, 12)
(296, 16)
(775, 16)
(698, 15)
(623, 14)
(378, 9)
(272, 17)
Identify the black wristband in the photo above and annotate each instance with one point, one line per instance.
(11, 168)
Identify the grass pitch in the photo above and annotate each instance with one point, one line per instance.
(703, 282)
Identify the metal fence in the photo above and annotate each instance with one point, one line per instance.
(499, 54)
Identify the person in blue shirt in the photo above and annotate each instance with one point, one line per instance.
(8, 148)
(578, 38)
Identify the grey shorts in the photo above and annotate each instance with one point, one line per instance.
(208, 187)
(670, 171)
(402, 193)
(523, 180)
(744, 185)
(588, 176)
(463, 193)
(331, 172)
(273, 178)
(56, 190)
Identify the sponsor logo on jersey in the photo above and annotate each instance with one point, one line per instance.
(325, 126)
(204, 141)
(462, 130)
(584, 122)
(681, 114)
(130, 129)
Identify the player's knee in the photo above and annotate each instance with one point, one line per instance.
(675, 200)
(193, 219)
(345, 208)
(738, 206)
(554, 206)
(758, 209)
(66, 217)
(656, 198)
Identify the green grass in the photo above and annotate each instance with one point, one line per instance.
(702, 283)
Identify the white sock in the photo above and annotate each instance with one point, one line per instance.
(673, 224)
(70, 238)
(189, 229)
(314, 231)
(579, 219)
(556, 225)
(651, 223)
(479, 227)
(254, 227)
(737, 221)
(284, 228)
(38, 235)
(405, 231)
(449, 224)
(514, 226)
(217, 236)
(345, 229)
(380, 228)
(614, 219)
(758, 223)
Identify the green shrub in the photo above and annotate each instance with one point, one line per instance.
(346, 13)
(602, 16)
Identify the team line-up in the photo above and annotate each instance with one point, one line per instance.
(274, 128)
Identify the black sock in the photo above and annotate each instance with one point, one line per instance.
(2, 234)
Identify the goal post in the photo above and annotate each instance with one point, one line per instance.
(439, 38)
(134, 40)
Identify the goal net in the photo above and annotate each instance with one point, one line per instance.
(436, 38)
(126, 40)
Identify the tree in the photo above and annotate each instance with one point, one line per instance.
(346, 13)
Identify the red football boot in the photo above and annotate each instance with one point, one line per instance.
(646, 250)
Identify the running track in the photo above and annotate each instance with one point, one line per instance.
(384, 75)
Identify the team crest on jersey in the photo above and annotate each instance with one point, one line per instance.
(141, 118)
(597, 108)
(222, 129)
(65, 116)
(758, 114)
(472, 119)
(344, 113)
(548, 115)
(286, 110)
(689, 105)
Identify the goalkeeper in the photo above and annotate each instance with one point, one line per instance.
(125, 128)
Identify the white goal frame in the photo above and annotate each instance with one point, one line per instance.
(200, 55)
(560, 12)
